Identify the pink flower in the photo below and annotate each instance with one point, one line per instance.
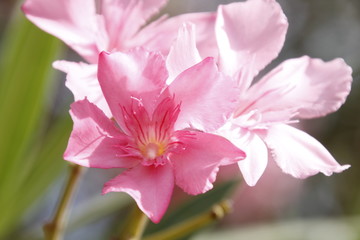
(249, 36)
(150, 134)
(90, 26)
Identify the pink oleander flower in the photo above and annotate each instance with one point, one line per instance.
(249, 36)
(90, 26)
(150, 135)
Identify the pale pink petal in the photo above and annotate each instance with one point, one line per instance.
(150, 7)
(197, 162)
(310, 87)
(249, 34)
(123, 18)
(160, 35)
(207, 97)
(151, 187)
(94, 140)
(299, 154)
(134, 76)
(73, 21)
(82, 81)
(253, 166)
(183, 54)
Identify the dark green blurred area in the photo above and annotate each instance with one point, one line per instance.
(34, 127)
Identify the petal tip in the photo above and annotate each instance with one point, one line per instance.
(342, 168)
(106, 189)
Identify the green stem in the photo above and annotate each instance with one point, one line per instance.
(54, 230)
(180, 230)
(135, 226)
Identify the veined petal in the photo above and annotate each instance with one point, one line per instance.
(160, 35)
(72, 21)
(254, 165)
(299, 154)
(249, 35)
(197, 162)
(94, 140)
(310, 86)
(183, 54)
(82, 81)
(207, 97)
(123, 18)
(127, 77)
(151, 187)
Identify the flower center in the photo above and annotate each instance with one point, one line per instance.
(152, 135)
(153, 150)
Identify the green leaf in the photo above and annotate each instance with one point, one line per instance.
(28, 152)
(88, 212)
(97, 208)
(295, 229)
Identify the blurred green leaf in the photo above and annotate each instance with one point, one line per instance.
(303, 229)
(97, 208)
(47, 160)
(30, 155)
(88, 212)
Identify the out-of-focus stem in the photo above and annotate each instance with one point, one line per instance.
(217, 212)
(135, 226)
(54, 230)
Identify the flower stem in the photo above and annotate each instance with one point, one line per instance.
(135, 226)
(180, 230)
(54, 230)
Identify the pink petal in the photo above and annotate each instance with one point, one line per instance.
(160, 35)
(299, 154)
(123, 18)
(183, 54)
(82, 81)
(197, 163)
(310, 87)
(249, 35)
(150, 7)
(206, 96)
(254, 165)
(64, 20)
(127, 77)
(151, 187)
(94, 140)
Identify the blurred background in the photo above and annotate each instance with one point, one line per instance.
(35, 126)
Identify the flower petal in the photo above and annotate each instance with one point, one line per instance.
(82, 81)
(206, 96)
(63, 19)
(134, 76)
(299, 154)
(254, 165)
(183, 54)
(160, 35)
(311, 87)
(249, 35)
(151, 187)
(196, 164)
(94, 140)
(123, 18)
(150, 7)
